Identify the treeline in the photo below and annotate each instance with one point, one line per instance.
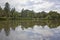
(8, 13)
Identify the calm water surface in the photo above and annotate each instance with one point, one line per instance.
(12, 30)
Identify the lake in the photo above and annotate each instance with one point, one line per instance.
(30, 30)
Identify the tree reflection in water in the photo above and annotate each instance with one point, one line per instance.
(7, 24)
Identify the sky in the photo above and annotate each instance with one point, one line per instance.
(36, 5)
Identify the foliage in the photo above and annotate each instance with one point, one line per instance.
(8, 13)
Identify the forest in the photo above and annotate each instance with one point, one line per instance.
(8, 13)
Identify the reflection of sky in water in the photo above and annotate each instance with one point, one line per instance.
(37, 33)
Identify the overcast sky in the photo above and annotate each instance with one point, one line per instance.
(36, 5)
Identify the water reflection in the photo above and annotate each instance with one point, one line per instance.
(30, 30)
(6, 25)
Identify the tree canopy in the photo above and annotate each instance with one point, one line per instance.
(13, 14)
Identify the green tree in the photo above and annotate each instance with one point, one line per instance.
(12, 12)
(0, 8)
(43, 14)
(7, 9)
(0, 11)
(53, 15)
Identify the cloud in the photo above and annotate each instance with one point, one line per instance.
(36, 5)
